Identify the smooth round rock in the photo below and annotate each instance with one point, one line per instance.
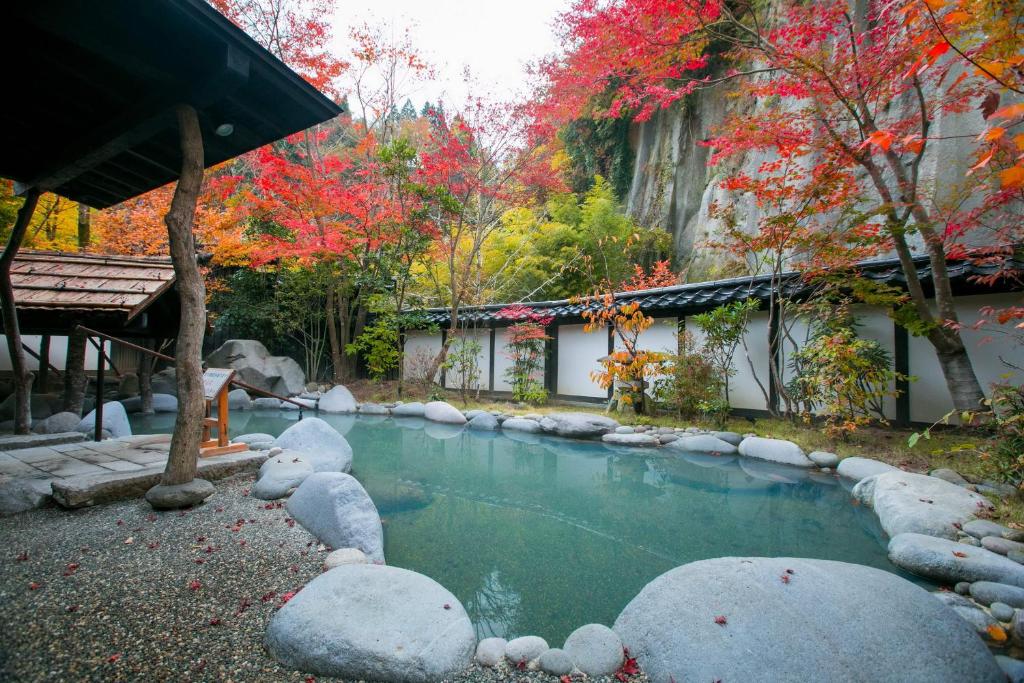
(174, 496)
(445, 413)
(962, 588)
(281, 474)
(577, 425)
(484, 422)
(338, 400)
(115, 420)
(630, 439)
(520, 424)
(980, 528)
(948, 561)
(1000, 545)
(490, 651)
(1016, 556)
(774, 450)
(733, 619)
(1013, 668)
(365, 622)
(823, 458)
(525, 649)
(988, 592)
(413, 409)
(946, 474)
(857, 468)
(555, 662)
(257, 441)
(323, 445)
(373, 409)
(1001, 611)
(595, 649)
(728, 437)
(343, 556)
(335, 508)
(704, 443)
(624, 429)
(665, 439)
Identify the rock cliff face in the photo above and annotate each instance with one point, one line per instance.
(673, 187)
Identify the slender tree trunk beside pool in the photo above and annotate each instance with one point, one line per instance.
(182, 460)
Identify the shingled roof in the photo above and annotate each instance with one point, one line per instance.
(697, 297)
(80, 286)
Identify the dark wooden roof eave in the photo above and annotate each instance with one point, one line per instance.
(97, 83)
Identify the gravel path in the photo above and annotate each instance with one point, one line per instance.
(122, 593)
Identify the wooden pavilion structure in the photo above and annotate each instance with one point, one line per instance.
(108, 100)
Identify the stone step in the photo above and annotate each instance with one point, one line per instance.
(81, 492)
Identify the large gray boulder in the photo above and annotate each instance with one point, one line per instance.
(335, 508)
(578, 425)
(165, 403)
(792, 619)
(484, 422)
(165, 382)
(634, 440)
(373, 409)
(115, 420)
(703, 443)
(281, 474)
(239, 399)
(338, 400)
(254, 365)
(595, 649)
(947, 561)
(856, 468)
(320, 443)
(445, 413)
(521, 424)
(364, 622)
(774, 450)
(55, 424)
(413, 409)
(917, 503)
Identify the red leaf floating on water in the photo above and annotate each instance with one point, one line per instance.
(721, 620)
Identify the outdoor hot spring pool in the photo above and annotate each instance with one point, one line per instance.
(538, 535)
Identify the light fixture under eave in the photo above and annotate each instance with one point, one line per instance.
(224, 129)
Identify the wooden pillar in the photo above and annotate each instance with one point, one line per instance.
(19, 367)
(43, 378)
(182, 460)
(74, 373)
(611, 350)
(490, 378)
(444, 345)
(901, 364)
(551, 361)
(101, 364)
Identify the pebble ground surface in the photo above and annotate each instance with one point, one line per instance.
(122, 593)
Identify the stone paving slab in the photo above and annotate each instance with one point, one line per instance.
(88, 473)
(20, 441)
(80, 492)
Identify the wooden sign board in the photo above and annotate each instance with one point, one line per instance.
(214, 381)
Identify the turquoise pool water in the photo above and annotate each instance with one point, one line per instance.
(539, 535)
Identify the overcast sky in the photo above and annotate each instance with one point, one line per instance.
(495, 39)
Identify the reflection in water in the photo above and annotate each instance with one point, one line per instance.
(537, 535)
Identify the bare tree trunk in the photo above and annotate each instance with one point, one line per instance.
(19, 367)
(146, 363)
(332, 336)
(84, 232)
(74, 373)
(188, 426)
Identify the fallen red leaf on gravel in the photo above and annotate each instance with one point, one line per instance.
(153, 546)
(195, 585)
(114, 657)
(32, 586)
(22, 557)
(71, 569)
(215, 621)
(286, 597)
(72, 608)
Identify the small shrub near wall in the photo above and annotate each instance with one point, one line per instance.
(525, 348)
(692, 386)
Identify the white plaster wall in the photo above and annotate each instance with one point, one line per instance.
(58, 353)
(502, 362)
(661, 336)
(483, 356)
(419, 348)
(987, 348)
(578, 352)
